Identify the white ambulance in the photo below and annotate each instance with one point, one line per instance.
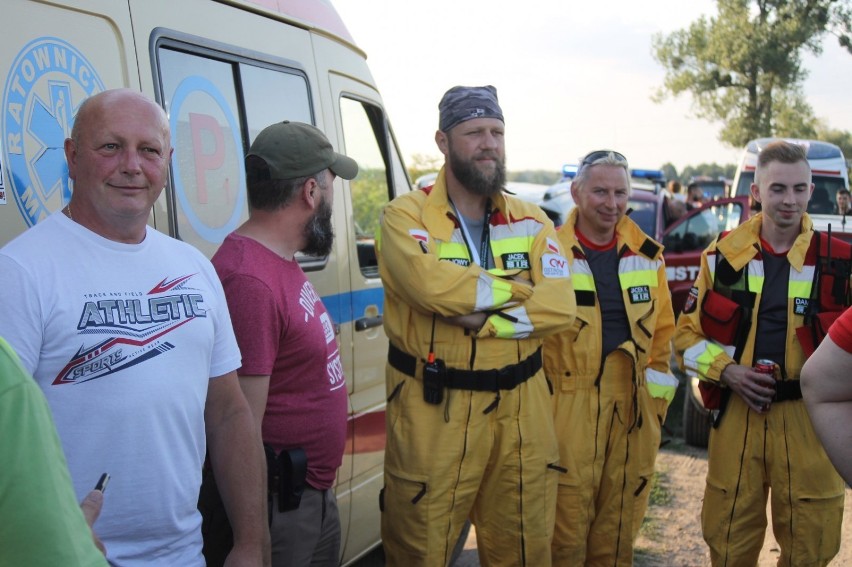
(829, 173)
(223, 70)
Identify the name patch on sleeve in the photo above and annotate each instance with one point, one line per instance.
(464, 262)
(639, 294)
(554, 266)
(516, 261)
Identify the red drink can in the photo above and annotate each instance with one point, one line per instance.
(765, 366)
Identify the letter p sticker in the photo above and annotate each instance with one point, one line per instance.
(207, 158)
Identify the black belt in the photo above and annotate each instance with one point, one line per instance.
(505, 378)
(787, 390)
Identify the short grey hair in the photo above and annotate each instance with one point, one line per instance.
(609, 159)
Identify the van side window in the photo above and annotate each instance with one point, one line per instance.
(216, 107)
(273, 96)
(363, 133)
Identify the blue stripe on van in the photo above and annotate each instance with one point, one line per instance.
(343, 307)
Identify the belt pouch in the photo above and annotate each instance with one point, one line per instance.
(434, 377)
(291, 466)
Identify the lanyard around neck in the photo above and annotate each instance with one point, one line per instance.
(479, 257)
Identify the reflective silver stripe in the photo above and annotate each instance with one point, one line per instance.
(523, 326)
(638, 264)
(524, 227)
(699, 356)
(484, 292)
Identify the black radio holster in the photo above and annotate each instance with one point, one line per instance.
(434, 378)
(286, 476)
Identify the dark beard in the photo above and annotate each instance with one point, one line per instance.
(319, 232)
(474, 180)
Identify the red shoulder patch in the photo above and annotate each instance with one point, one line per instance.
(691, 300)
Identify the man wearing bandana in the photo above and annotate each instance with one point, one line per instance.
(474, 279)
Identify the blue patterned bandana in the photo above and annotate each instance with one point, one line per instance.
(466, 103)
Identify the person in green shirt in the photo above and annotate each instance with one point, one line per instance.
(42, 524)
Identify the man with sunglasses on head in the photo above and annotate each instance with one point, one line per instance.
(610, 372)
(473, 280)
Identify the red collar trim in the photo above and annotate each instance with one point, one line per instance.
(599, 247)
(767, 248)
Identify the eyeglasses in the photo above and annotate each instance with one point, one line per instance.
(592, 157)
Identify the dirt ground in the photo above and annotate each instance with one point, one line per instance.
(671, 533)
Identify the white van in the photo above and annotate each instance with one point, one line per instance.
(223, 70)
(828, 168)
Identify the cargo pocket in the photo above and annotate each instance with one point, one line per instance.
(572, 519)
(553, 473)
(646, 323)
(716, 514)
(395, 386)
(405, 499)
(817, 535)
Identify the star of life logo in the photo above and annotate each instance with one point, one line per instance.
(44, 88)
(130, 327)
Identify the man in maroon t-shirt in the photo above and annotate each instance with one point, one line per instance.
(291, 372)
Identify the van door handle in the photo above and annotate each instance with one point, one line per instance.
(365, 323)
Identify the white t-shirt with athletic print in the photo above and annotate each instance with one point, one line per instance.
(123, 339)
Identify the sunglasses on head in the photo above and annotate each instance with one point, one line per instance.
(592, 157)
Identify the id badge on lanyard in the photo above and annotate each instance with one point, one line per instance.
(477, 256)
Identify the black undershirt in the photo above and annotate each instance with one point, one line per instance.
(603, 261)
(772, 313)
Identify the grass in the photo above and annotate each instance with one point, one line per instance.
(659, 496)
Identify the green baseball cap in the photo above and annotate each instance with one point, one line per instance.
(295, 149)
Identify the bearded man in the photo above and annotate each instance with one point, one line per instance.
(287, 340)
(474, 279)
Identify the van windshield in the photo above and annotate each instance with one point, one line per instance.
(822, 202)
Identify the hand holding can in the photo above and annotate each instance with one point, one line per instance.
(766, 366)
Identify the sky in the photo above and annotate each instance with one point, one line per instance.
(571, 76)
